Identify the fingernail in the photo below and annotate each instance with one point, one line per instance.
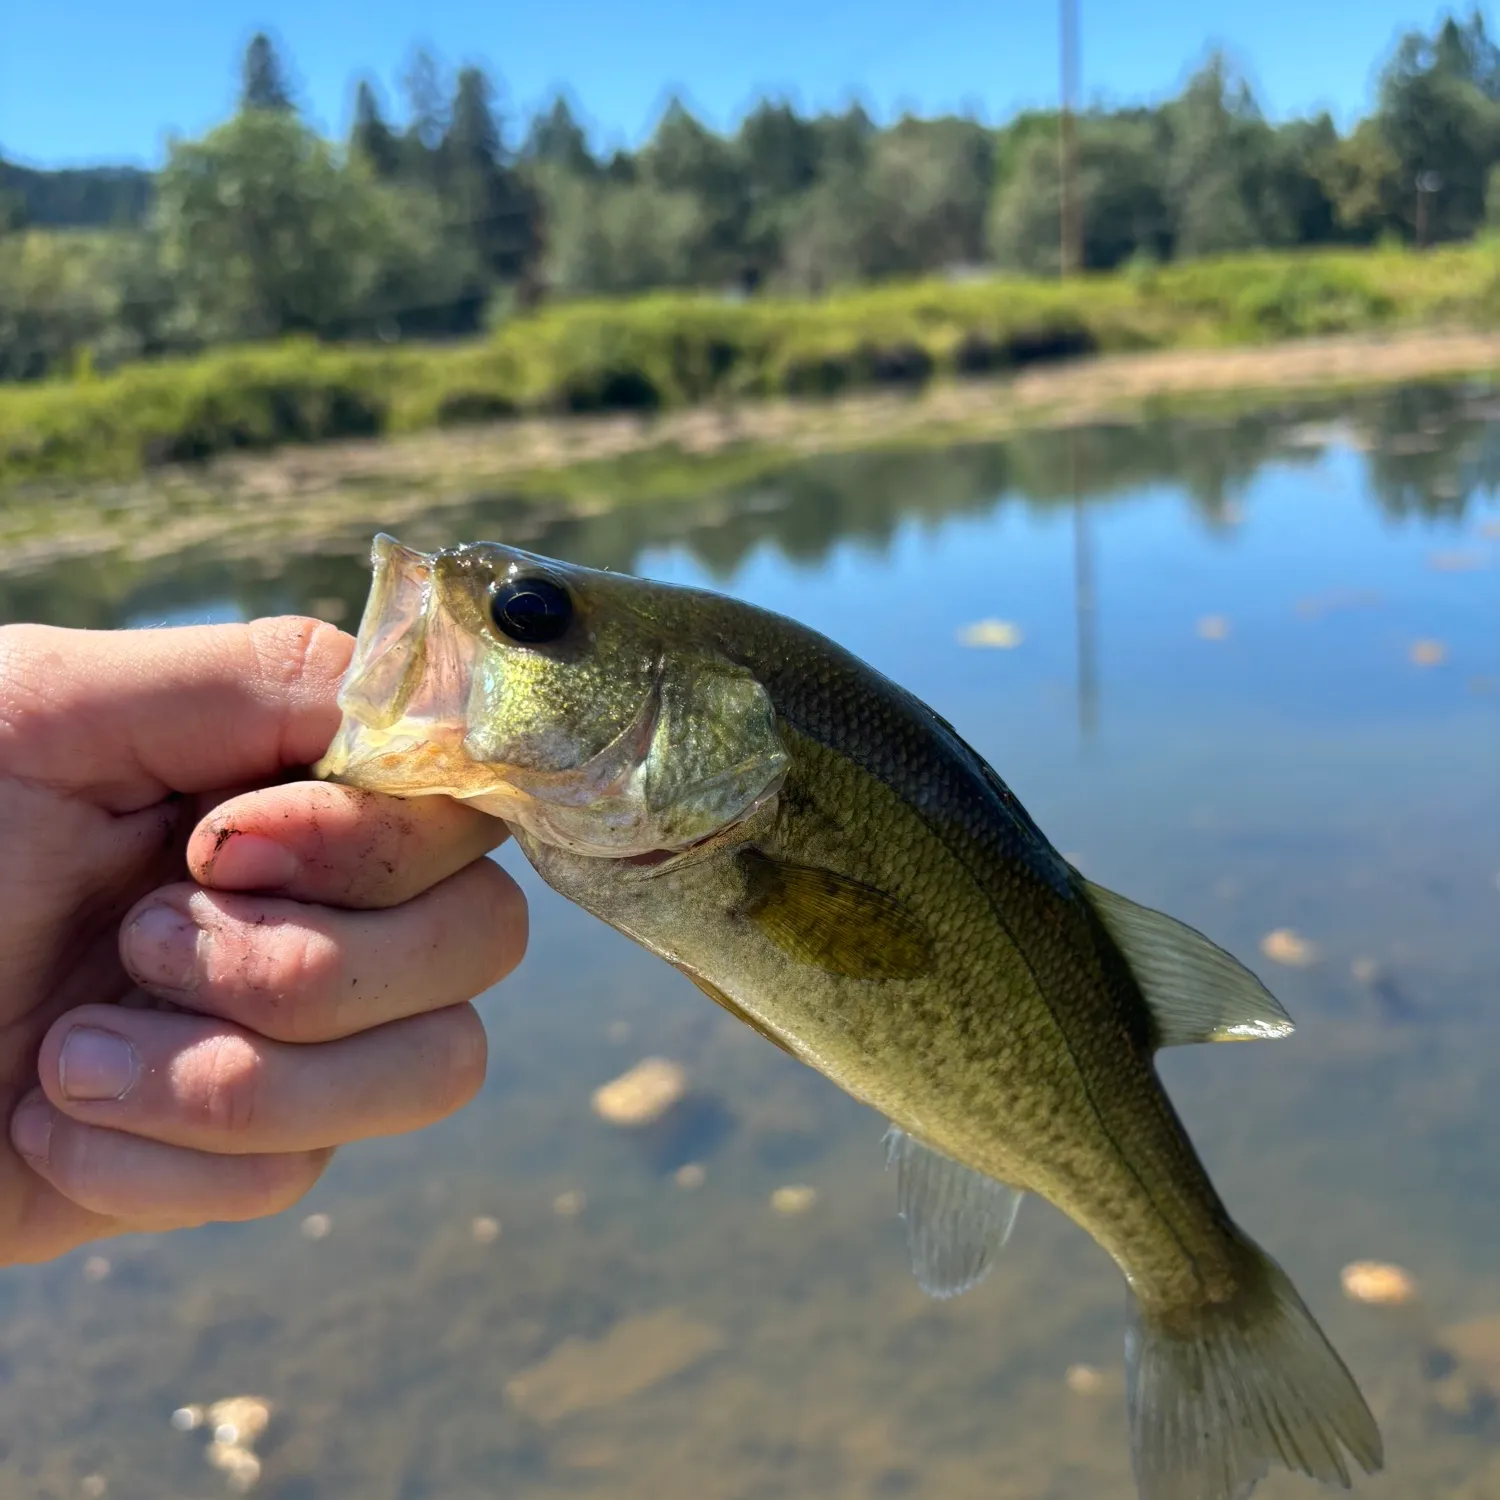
(247, 862)
(31, 1129)
(161, 948)
(96, 1065)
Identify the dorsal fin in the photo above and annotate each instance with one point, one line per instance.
(1195, 991)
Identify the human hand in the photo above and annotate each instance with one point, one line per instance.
(193, 1014)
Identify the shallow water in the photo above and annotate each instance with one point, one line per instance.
(1288, 766)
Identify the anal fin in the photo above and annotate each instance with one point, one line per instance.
(957, 1219)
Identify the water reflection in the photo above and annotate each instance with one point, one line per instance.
(1429, 452)
(529, 1301)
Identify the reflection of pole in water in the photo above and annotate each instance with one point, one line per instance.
(1083, 601)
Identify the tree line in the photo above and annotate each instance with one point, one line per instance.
(442, 218)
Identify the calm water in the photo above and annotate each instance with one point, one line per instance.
(1287, 766)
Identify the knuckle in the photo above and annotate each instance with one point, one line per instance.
(509, 922)
(223, 1086)
(285, 968)
(299, 661)
(272, 1184)
(28, 656)
(295, 649)
(467, 1055)
(77, 1163)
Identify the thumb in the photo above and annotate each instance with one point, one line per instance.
(122, 718)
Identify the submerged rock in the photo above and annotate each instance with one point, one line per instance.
(795, 1199)
(239, 1419)
(1463, 1363)
(672, 1124)
(651, 1088)
(636, 1354)
(1283, 946)
(1473, 560)
(996, 634)
(1375, 1282)
(240, 1466)
(316, 1226)
(236, 1423)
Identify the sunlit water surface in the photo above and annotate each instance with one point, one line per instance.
(1213, 705)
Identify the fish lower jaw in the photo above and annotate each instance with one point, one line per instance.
(645, 856)
(670, 859)
(404, 762)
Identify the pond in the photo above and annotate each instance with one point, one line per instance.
(1246, 671)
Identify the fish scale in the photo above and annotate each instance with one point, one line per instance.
(825, 857)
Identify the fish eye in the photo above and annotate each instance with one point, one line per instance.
(533, 611)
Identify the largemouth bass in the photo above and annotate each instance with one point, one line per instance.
(825, 858)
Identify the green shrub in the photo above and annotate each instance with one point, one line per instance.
(670, 350)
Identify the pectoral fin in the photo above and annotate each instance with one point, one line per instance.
(957, 1219)
(1196, 991)
(831, 921)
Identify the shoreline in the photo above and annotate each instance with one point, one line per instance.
(1073, 393)
(302, 497)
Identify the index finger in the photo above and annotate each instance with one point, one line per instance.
(125, 717)
(337, 845)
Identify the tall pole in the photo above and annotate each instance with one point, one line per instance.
(1070, 261)
(1071, 227)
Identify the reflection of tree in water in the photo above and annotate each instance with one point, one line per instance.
(1432, 452)
(1211, 462)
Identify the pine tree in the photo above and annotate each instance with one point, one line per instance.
(263, 82)
(559, 140)
(372, 139)
(490, 198)
(427, 115)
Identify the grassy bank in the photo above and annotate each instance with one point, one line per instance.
(664, 352)
(517, 478)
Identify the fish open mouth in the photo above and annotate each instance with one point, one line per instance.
(405, 694)
(420, 673)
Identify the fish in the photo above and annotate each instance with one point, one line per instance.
(824, 856)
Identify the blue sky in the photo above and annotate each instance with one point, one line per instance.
(94, 80)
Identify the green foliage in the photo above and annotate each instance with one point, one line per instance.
(66, 296)
(73, 197)
(1439, 115)
(557, 140)
(1120, 178)
(51, 301)
(670, 350)
(493, 204)
(453, 219)
(263, 83)
(372, 143)
(615, 237)
(263, 234)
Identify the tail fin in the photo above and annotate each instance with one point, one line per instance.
(1214, 1402)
